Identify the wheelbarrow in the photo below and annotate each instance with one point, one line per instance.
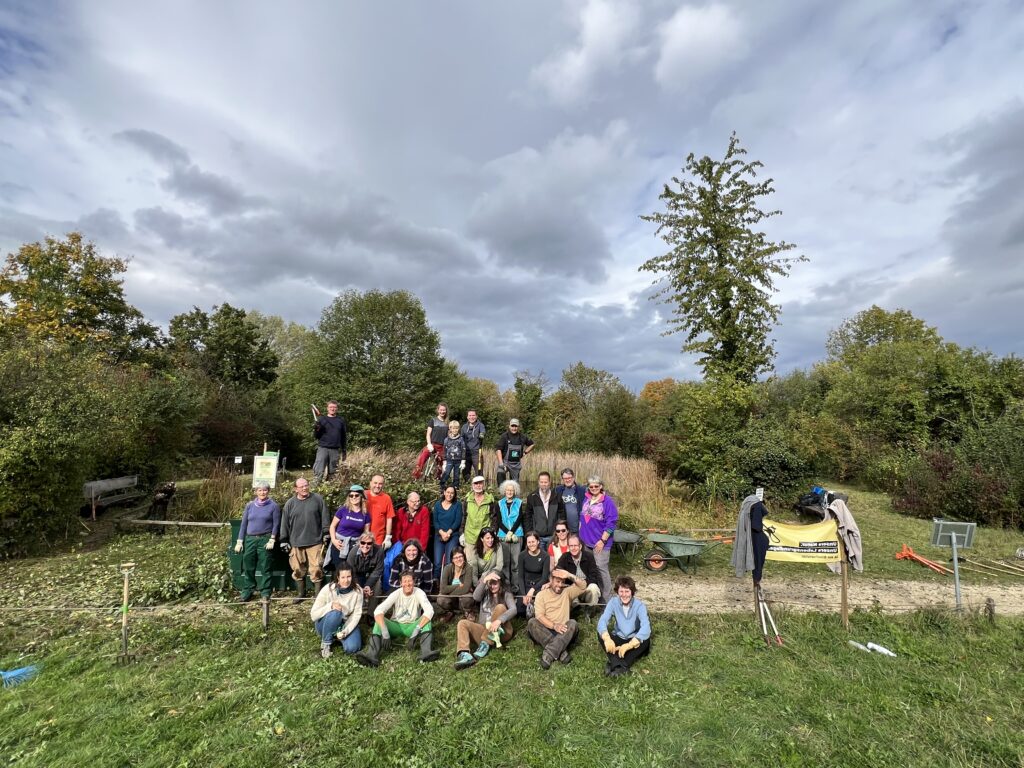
(681, 550)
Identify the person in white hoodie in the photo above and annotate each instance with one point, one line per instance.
(336, 613)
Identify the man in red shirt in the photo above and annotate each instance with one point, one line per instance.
(412, 521)
(382, 512)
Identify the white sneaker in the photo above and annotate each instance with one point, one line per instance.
(325, 650)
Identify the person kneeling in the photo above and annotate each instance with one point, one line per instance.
(336, 613)
(551, 628)
(494, 624)
(630, 640)
(411, 613)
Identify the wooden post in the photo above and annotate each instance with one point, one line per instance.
(266, 613)
(844, 607)
(125, 657)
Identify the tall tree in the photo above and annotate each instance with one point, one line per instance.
(720, 269)
(227, 345)
(64, 292)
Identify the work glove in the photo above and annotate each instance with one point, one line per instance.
(515, 539)
(238, 546)
(413, 636)
(385, 638)
(462, 540)
(444, 466)
(609, 644)
(430, 447)
(462, 466)
(286, 547)
(327, 538)
(622, 650)
(387, 542)
(270, 544)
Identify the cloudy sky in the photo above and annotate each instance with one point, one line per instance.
(494, 158)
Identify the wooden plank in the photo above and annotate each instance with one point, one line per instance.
(177, 522)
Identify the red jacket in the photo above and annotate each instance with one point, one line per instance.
(418, 527)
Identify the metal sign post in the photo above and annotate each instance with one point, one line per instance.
(948, 533)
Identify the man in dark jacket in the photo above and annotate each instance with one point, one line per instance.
(367, 562)
(581, 564)
(511, 449)
(572, 496)
(331, 435)
(544, 508)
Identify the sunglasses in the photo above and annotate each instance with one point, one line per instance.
(354, 495)
(561, 530)
(592, 487)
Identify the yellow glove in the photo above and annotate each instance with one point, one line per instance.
(622, 650)
(609, 644)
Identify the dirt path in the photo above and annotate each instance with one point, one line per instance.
(682, 594)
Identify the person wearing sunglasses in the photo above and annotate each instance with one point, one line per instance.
(367, 562)
(598, 518)
(559, 544)
(350, 522)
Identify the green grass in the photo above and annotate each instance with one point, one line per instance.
(213, 690)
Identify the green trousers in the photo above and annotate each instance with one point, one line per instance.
(396, 629)
(255, 557)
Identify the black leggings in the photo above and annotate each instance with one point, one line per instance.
(631, 656)
(760, 541)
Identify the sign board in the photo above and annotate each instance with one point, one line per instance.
(944, 530)
(815, 543)
(264, 470)
(238, 459)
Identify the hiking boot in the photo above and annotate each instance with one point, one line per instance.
(565, 657)
(465, 660)
(546, 661)
(325, 650)
(300, 589)
(619, 671)
(481, 650)
(427, 654)
(246, 597)
(369, 656)
(608, 669)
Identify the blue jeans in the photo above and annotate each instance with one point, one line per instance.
(443, 552)
(330, 624)
(450, 476)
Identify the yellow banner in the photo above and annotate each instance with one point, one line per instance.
(815, 543)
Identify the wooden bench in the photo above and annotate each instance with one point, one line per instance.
(114, 490)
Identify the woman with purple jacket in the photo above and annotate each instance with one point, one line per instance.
(598, 518)
(350, 522)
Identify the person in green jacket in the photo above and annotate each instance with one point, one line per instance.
(481, 512)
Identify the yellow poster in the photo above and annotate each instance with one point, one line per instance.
(815, 543)
(264, 470)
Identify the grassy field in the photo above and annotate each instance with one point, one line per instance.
(211, 689)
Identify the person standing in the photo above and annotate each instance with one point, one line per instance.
(551, 628)
(261, 522)
(598, 518)
(473, 432)
(510, 529)
(544, 510)
(454, 456)
(447, 517)
(572, 495)
(331, 435)
(304, 526)
(437, 428)
(481, 512)
(512, 447)
(412, 521)
(382, 512)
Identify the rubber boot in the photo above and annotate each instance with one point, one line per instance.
(317, 586)
(300, 589)
(369, 657)
(426, 652)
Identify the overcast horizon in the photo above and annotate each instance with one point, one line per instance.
(495, 160)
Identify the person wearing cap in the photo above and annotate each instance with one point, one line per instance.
(473, 432)
(551, 628)
(437, 429)
(367, 562)
(412, 521)
(382, 512)
(331, 435)
(261, 521)
(481, 511)
(350, 522)
(447, 516)
(512, 446)
(572, 494)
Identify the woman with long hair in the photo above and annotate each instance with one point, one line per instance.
(350, 522)
(447, 517)
(493, 627)
(487, 555)
(457, 582)
(336, 613)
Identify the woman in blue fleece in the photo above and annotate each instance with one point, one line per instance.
(630, 640)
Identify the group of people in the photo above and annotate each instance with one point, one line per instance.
(481, 559)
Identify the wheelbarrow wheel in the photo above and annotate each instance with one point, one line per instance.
(655, 560)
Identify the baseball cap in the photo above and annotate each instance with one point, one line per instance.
(514, 423)
(478, 479)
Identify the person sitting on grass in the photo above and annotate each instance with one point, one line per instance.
(551, 628)
(534, 573)
(457, 582)
(336, 613)
(630, 639)
(487, 555)
(411, 613)
(581, 564)
(413, 559)
(493, 626)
